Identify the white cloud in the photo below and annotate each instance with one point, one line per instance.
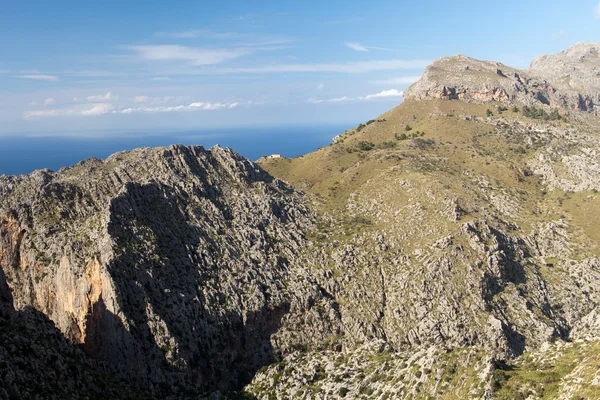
(331, 101)
(98, 109)
(190, 107)
(383, 93)
(360, 47)
(140, 99)
(355, 46)
(75, 99)
(39, 77)
(158, 100)
(99, 98)
(106, 108)
(87, 110)
(346, 99)
(320, 86)
(49, 101)
(193, 55)
(598, 11)
(398, 80)
(354, 67)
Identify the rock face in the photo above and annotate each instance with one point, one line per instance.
(37, 360)
(567, 80)
(172, 264)
(575, 73)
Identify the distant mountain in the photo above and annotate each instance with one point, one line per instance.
(567, 80)
(448, 248)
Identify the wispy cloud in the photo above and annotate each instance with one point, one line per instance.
(320, 86)
(49, 101)
(158, 100)
(598, 11)
(383, 94)
(360, 47)
(100, 98)
(355, 46)
(140, 99)
(106, 108)
(206, 106)
(160, 78)
(193, 55)
(39, 77)
(83, 111)
(353, 67)
(398, 80)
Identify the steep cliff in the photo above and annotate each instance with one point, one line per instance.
(174, 264)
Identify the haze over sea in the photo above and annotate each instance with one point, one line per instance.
(24, 154)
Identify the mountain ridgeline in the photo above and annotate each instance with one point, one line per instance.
(447, 249)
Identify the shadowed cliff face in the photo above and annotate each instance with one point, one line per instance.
(37, 360)
(172, 264)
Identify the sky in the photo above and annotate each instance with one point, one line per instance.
(73, 67)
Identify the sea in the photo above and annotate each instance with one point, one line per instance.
(22, 154)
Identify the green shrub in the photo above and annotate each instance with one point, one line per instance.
(343, 392)
(407, 128)
(538, 113)
(365, 146)
(387, 145)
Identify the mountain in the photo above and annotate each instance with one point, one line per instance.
(446, 249)
(174, 265)
(458, 233)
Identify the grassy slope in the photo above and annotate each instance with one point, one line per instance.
(461, 147)
(443, 164)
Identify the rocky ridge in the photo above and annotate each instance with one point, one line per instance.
(565, 81)
(174, 264)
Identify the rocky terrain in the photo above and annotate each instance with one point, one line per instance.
(564, 81)
(447, 249)
(174, 265)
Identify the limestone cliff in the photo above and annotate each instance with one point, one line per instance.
(567, 81)
(174, 264)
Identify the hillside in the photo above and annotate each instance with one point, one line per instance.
(448, 248)
(463, 220)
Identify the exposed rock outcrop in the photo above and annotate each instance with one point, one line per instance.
(174, 264)
(567, 80)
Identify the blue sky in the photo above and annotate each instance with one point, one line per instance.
(72, 66)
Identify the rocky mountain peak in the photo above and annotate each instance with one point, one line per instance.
(567, 81)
